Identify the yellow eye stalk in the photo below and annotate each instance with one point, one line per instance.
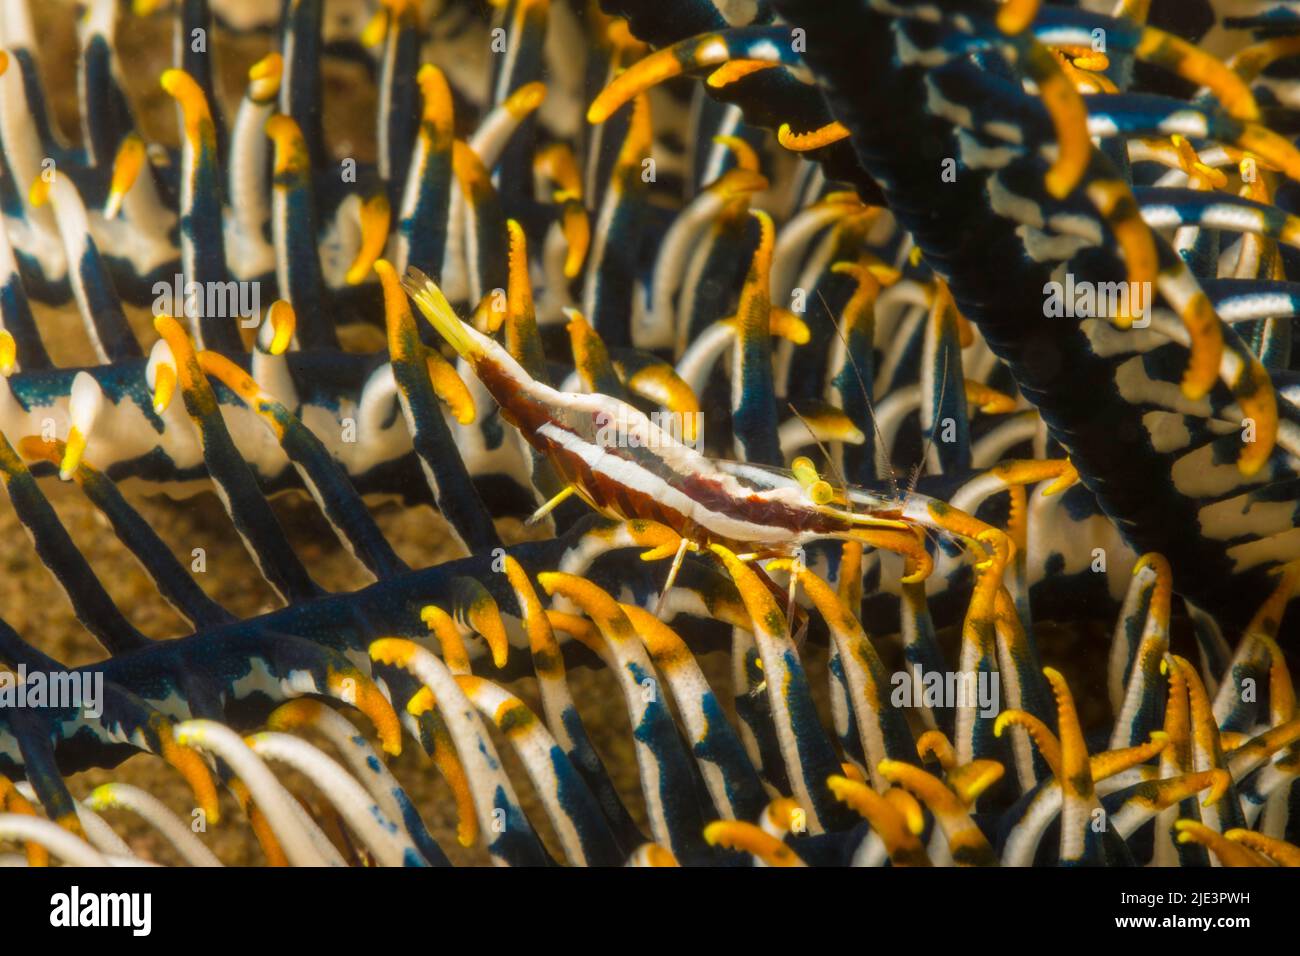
(818, 489)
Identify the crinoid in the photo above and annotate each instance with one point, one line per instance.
(804, 387)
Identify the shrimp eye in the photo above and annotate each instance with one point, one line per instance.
(804, 470)
(818, 491)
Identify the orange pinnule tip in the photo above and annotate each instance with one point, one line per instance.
(127, 165)
(8, 353)
(36, 448)
(164, 388)
(525, 99)
(294, 714)
(195, 771)
(813, 139)
(264, 77)
(1015, 16)
(376, 218)
(270, 65)
(39, 194)
(360, 691)
(284, 321)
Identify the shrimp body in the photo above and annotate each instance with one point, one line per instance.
(626, 466)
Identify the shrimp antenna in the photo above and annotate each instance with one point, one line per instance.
(919, 467)
(881, 454)
(883, 464)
